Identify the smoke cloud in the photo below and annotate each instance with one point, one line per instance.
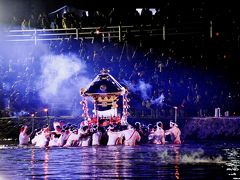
(141, 87)
(61, 78)
(159, 100)
(145, 89)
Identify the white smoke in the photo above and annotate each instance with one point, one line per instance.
(61, 78)
(159, 100)
(131, 86)
(143, 88)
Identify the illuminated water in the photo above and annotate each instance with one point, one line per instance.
(203, 160)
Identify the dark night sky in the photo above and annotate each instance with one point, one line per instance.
(23, 8)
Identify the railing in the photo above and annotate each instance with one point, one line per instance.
(106, 33)
(111, 33)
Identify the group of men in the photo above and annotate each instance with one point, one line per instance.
(68, 135)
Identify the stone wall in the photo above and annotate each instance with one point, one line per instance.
(211, 128)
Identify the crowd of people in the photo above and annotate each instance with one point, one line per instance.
(98, 18)
(69, 135)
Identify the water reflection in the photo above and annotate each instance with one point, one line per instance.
(45, 164)
(233, 165)
(33, 163)
(118, 164)
(188, 161)
(177, 159)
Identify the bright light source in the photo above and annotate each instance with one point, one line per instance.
(139, 10)
(153, 10)
(97, 31)
(217, 34)
(45, 110)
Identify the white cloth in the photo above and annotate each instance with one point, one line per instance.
(72, 139)
(53, 142)
(112, 137)
(96, 137)
(63, 139)
(23, 138)
(35, 139)
(41, 140)
(84, 138)
(86, 141)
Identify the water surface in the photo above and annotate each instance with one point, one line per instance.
(191, 160)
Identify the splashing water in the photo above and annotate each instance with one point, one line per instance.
(199, 157)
